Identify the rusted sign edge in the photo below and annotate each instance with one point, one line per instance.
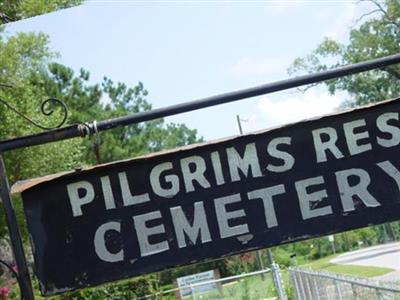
(22, 185)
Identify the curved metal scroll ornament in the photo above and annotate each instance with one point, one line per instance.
(46, 109)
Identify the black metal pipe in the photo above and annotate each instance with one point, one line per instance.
(44, 137)
(76, 130)
(24, 279)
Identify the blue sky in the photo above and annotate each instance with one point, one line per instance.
(185, 50)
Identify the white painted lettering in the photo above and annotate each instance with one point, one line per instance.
(347, 192)
(383, 126)
(107, 192)
(127, 196)
(308, 201)
(248, 162)
(196, 175)
(216, 163)
(223, 216)
(143, 233)
(352, 138)
(391, 170)
(266, 195)
(77, 201)
(155, 183)
(100, 243)
(288, 159)
(182, 226)
(322, 147)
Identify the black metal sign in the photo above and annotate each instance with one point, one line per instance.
(216, 199)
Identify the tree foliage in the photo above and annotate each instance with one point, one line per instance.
(20, 56)
(88, 102)
(12, 10)
(375, 34)
(26, 64)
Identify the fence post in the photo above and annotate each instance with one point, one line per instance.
(277, 278)
(315, 286)
(191, 291)
(326, 291)
(309, 294)
(327, 294)
(353, 288)
(301, 281)
(378, 294)
(293, 277)
(338, 292)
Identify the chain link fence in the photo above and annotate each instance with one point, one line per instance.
(311, 285)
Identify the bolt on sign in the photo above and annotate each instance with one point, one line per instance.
(211, 200)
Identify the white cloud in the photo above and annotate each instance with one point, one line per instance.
(341, 26)
(351, 12)
(261, 66)
(273, 112)
(283, 6)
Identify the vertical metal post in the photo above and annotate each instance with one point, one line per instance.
(378, 294)
(353, 288)
(326, 288)
(385, 234)
(298, 292)
(331, 239)
(15, 237)
(239, 124)
(192, 291)
(338, 292)
(293, 277)
(309, 289)
(301, 281)
(260, 263)
(328, 297)
(315, 287)
(276, 275)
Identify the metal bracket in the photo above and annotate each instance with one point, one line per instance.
(90, 129)
(45, 109)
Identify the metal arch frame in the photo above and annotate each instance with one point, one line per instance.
(82, 130)
(44, 110)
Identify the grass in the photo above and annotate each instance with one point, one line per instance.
(248, 288)
(253, 288)
(324, 264)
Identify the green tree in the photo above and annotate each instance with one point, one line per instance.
(21, 55)
(88, 102)
(375, 34)
(12, 10)
(26, 64)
